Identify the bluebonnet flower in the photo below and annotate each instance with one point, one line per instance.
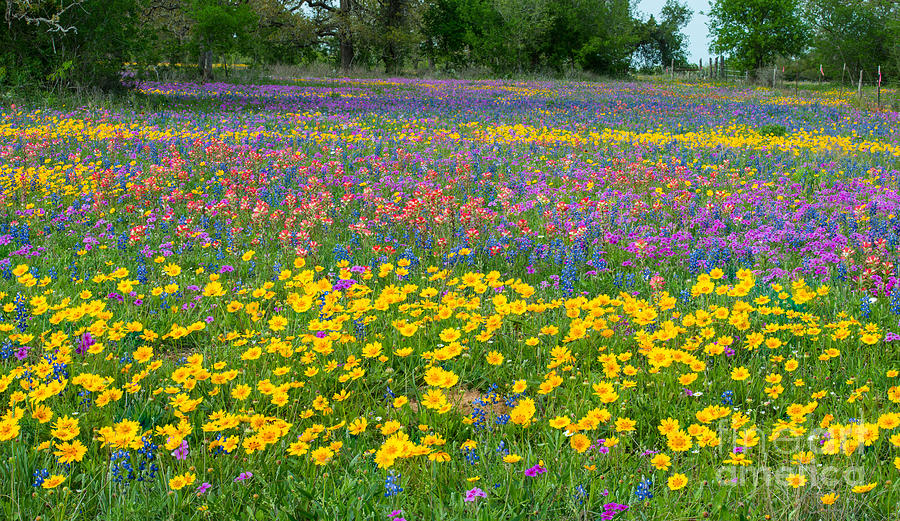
(864, 308)
(40, 476)
(728, 398)
(643, 490)
(580, 494)
(471, 456)
(392, 484)
(22, 313)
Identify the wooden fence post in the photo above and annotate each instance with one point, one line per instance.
(878, 89)
(859, 86)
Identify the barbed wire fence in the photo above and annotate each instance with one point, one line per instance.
(868, 87)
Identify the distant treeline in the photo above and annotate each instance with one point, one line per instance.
(834, 39)
(52, 42)
(65, 43)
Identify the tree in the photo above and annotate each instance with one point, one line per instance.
(169, 26)
(671, 40)
(525, 22)
(662, 43)
(519, 35)
(345, 37)
(220, 27)
(392, 16)
(574, 23)
(609, 49)
(755, 32)
(67, 43)
(280, 35)
(851, 33)
(893, 26)
(392, 30)
(444, 32)
(335, 20)
(460, 33)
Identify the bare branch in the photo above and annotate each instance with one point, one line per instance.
(312, 4)
(25, 10)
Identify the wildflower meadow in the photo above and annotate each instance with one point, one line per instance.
(478, 300)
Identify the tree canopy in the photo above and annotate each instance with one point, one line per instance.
(66, 43)
(755, 32)
(858, 34)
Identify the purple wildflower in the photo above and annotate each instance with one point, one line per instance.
(182, 451)
(611, 509)
(474, 493)
(344, 284)
(535, 470)
(84, 343)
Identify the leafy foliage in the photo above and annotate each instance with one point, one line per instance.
(222, 27)
(854, 33)
(662, 43)
(755, 32)
(48, 44)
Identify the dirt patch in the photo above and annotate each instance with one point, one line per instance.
(463, 401)
(175, 351)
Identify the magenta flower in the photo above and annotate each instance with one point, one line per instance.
(203, 488)
(611, 509)
(182, 451)
(476, 492)
(534, 471)
(243, 476)
(84, 343)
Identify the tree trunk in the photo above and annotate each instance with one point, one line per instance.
(346, 44)
(346, 53)
(393, 13)
(205, 65)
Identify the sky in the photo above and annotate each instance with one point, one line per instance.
(696, 31)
